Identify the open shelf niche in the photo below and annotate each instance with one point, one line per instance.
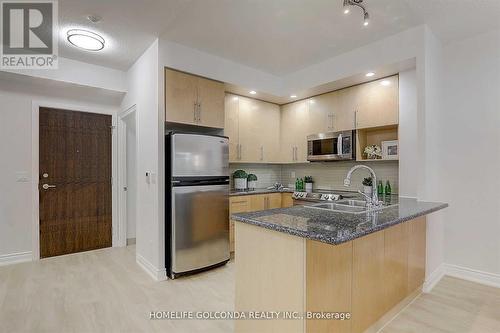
(374, 136)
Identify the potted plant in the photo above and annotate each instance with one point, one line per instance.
(240, 180)
(308, 180)
(373, 152)
(368, 186)
(252, 181)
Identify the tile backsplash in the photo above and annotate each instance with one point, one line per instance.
(329, 176)
(267, 174)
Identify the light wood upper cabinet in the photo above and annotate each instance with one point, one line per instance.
(294, 132)
(190, 99)
(345, 116)
(211, 103)
(231, 126)
(378, 103)
(321, 113)
(253, 128)
(180, 97)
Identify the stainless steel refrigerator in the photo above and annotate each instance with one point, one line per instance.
(197, 202)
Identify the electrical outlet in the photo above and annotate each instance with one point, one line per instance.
(22, 177)
(292, 174)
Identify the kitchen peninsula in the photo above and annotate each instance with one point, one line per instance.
(307, 259)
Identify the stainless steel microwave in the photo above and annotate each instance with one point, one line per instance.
(333, 146)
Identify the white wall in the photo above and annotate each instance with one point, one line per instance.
(16, 198)
(143, 91)
(429, 107)
(80, 73)
(469, 144)
(391, 50)
(408, 139)
(194, 61)
(131, 160)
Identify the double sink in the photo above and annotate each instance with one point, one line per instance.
(349, 206)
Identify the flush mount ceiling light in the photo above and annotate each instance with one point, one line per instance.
(357, 3)
(370, 74)
(85, 39)
(253, 92)
(293, 96)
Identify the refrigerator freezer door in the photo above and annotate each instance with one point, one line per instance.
(199, 156)
(200, 227)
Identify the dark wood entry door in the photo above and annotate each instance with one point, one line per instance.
(74, 182)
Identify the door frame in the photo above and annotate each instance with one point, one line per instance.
(35, 131)
(122, 170)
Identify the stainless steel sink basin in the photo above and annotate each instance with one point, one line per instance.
(348, 206)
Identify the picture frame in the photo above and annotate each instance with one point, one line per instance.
(390, 150)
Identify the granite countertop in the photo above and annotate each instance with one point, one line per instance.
(334, 227)
(234, 192)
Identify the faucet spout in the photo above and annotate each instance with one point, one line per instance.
(347, 182)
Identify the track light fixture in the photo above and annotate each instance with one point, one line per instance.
(357, 3)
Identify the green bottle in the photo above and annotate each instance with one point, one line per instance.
(297, 186)
(380, 188)
(388, 189)
(301, 184)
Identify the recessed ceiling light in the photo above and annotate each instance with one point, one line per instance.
(253, 92)
(293, 96)
(346, 11)
(85, 39)
(385, 83)
(370, 74)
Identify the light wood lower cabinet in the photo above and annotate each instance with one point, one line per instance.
(286, 200)
(253, 203)
(370, 277)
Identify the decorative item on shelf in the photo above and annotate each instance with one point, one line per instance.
(390, 150)
(252, 181)
(308, 180)
(368, 186)
(373, 152)
(240, 180)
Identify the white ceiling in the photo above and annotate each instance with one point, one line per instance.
(278, 36)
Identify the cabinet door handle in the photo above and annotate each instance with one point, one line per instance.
(195, 110)
(199, 112)
(261, 153)
(355, 118)
(239, 202)
(239, 152)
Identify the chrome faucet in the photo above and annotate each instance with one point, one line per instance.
(373, 201)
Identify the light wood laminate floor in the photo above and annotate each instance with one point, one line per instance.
(105, 291)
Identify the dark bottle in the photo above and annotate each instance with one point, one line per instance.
(380, 188)
(388, 189)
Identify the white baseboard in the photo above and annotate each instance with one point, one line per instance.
(464, 273)
(15, 258)
(473, 275)
(434, 278)
(155, 273)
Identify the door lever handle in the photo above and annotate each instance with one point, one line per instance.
(47, 186)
